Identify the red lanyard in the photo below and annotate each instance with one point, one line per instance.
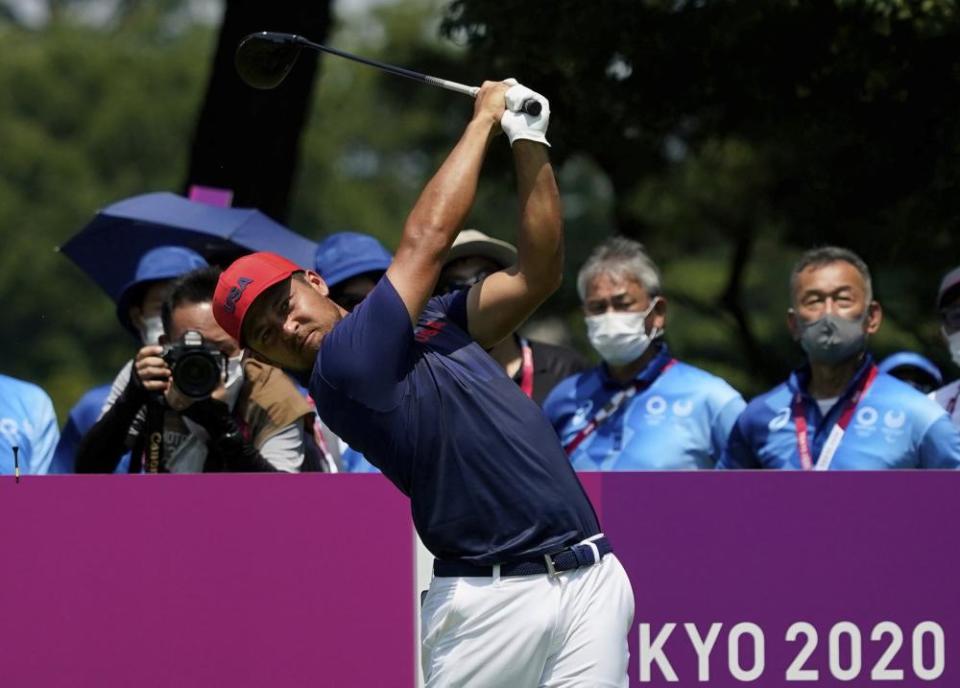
(836, 433)
(526, 374)
(616, 401)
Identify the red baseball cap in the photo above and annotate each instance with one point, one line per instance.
(240, 285)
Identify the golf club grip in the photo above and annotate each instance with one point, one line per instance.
(532, 107)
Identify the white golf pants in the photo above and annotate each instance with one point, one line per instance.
(563, 631)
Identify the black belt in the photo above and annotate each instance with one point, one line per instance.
(574, 557)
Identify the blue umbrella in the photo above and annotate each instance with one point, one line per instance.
(110, 246)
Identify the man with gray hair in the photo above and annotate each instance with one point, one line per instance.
(838, 411)
(640, 408)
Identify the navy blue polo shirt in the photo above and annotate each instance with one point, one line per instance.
(486, 476)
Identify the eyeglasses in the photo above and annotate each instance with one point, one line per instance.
(950, 317)
(453, 285)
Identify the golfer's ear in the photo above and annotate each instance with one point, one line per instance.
(317, 282)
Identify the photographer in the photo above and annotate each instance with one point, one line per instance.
(193, 405)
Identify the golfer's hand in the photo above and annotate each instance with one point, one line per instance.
(490, 103)
(151, 371)
(518, 124)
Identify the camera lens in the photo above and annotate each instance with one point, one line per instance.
(196, 374)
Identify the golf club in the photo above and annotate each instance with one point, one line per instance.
(264, 59)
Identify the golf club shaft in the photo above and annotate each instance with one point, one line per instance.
(531, 107)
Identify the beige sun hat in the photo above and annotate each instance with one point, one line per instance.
(472, 242)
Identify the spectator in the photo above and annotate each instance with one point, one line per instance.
(917, 371)
(640, 408)
(253, 421)
(536, 366)
(28, 422)
(838, 411)
(138, 310)
(351, 264)
(948, 303)
(81, 418)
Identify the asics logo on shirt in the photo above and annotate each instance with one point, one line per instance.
(581, 415)
(779, 421)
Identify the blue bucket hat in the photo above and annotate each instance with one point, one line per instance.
(347, 254)
(160, 263)
(909, 359)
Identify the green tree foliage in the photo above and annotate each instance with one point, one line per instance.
(99, 112)
(375, 139)
(735, 134)
(91, 114)
(724, 135)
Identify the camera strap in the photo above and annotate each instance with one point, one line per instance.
(153, 434)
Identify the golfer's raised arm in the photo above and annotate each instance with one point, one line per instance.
(443, 205)
(504, 300)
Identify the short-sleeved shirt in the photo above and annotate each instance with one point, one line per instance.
(893, 426)
(27, 421)
(486, 476)
(681, 421)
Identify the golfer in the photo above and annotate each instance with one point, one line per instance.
(526, 591)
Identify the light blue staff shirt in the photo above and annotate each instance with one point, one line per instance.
(28, 421)
(894, 426)
(83, 416)
(681, 421)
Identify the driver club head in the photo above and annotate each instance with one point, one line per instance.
(264, 59)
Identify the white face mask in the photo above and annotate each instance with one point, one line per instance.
(234, 369)
(150, 329)
(953, 343)
(621, 338)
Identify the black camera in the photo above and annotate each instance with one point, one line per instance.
(197, 368)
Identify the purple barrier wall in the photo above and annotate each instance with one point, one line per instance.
(183, 581)
(779, 579)
(841, 578)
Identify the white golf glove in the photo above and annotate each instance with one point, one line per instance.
(518, 124)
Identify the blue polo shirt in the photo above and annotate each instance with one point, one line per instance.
(893, 426)
(487, 480)
(681, 421)
(28, 421)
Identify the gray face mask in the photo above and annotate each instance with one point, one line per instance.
(832, 338)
